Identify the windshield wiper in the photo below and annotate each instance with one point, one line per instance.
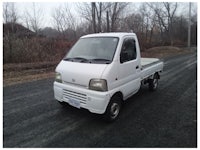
(76, 58)
(100, 60)
(95, 60)
(71, 59)
(80, 58)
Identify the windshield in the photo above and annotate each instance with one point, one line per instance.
(93, 50)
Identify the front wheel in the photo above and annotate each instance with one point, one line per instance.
(61, 103)
(113, 109)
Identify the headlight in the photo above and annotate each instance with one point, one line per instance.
(58, 77)
(98, 85)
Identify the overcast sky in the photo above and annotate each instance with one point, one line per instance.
(47, 10)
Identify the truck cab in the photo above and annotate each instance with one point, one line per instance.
(102, 70)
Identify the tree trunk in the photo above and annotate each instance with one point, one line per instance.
(107, 19)
(114, 15)
(99, 17)
(93, 17)
(151, 34)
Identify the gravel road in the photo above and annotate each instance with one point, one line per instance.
(164, 118)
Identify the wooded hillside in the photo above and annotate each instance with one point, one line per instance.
(156, 24)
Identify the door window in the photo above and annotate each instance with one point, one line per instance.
(128, 51)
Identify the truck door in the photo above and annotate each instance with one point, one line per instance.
(129, 70)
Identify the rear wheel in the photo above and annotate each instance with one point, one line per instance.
(113, 109)
(153, 83)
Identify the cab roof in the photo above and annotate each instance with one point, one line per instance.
(110, 34)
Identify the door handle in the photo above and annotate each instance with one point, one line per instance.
(137, 67)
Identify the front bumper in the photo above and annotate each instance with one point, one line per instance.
(94, 101)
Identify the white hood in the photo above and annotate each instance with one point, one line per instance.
(80, 73)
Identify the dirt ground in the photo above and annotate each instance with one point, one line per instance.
(26, 72)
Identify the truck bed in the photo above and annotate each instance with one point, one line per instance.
(150, 66)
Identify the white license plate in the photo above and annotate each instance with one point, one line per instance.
(74, 103)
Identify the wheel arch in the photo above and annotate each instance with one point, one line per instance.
(116, 100)
(157, 75)
(119, 94)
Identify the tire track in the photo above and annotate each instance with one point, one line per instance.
(175, 74)
(17, 98)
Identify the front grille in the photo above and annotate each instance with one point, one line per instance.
(74, 84)
(74, 95)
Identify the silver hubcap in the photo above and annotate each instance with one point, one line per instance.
(114, 110)
(155, 83)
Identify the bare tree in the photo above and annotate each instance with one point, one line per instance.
(134, 22)
(10, 13)
(6, 14)
(115, 10)
(149, 21)
(93, 4)
(64, 19)
(58, 19)
(84, 9)
(10, 17)
(171, 9)
(34, 18)
(165, 17)
(94, 13)
(160, 17)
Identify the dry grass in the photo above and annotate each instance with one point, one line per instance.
(26, 78)
(28, 66)
(163, 51)
(25, 72)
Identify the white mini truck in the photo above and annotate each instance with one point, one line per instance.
(103, 70)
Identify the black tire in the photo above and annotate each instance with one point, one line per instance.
(113, 109)
(153, 83)
(61, 103)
